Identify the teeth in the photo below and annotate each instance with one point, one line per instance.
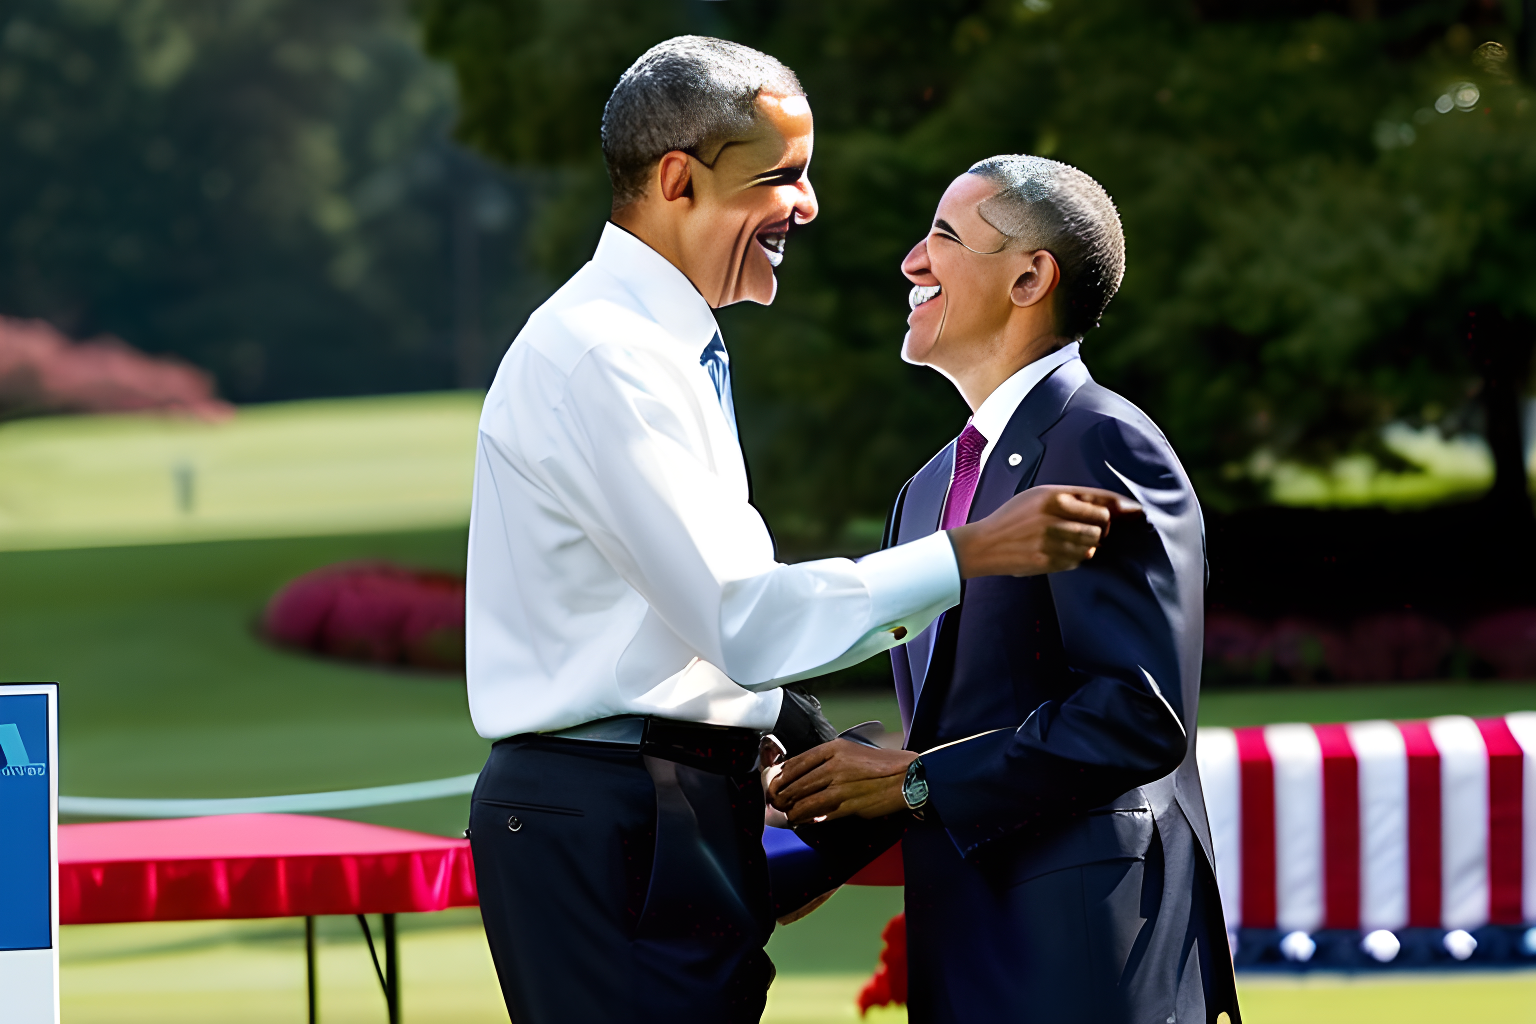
(773, 247)
(921, 293)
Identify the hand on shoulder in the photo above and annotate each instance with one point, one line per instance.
(1044, 529)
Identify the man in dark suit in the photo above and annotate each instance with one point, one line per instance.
(1057, 855)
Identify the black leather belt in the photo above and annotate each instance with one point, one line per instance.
(721, 749)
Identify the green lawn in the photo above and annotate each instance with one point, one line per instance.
(289, 469)
(252, 972)
(167, 690)
(1354, 703)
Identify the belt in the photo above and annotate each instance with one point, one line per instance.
(721, 749)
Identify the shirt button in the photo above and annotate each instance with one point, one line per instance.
(1015, 459)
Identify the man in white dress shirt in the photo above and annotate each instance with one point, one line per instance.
(629, 629)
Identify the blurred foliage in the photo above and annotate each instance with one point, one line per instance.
(1307, 232)
(262, 186)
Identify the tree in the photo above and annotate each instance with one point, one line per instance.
(264, 188)
(1309, 224)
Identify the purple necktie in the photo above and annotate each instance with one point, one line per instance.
(962, 486)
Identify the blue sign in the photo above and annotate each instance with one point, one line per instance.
(26, 906)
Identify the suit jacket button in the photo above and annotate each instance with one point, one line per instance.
(514, 823)
(1015, 459)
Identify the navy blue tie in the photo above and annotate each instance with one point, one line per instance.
(717, 362)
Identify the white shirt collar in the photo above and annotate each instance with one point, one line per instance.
(664, 291)
(1001, 404)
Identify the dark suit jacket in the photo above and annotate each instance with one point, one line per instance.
(1056, 719)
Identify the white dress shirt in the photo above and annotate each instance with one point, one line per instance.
(615, 565)
(998, 407)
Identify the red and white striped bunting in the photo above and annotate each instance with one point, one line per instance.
(1368, 825)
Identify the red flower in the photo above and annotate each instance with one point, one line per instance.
(889, 984)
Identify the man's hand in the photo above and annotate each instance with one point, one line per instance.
(1044, 529)
(841, 778)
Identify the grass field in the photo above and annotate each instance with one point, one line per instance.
(397, 462)
(252, 972)
(169, 692)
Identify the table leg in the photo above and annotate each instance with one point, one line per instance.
(392, 969)
(309, 963)
(388, 975)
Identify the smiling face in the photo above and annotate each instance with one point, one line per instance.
(961, 282)
(981, 308)
(745, 195)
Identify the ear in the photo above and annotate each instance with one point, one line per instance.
(1038, 280)
(674, 175)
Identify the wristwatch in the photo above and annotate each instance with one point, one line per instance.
(914, 789)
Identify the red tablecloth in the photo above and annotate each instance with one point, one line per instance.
(255, 865)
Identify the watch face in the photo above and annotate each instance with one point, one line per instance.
(914, 790)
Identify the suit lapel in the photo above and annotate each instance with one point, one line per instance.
(1005, 476)
(1001, 479)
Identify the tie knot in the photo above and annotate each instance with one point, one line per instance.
(970, 444)
(717, 363)
(962, 485)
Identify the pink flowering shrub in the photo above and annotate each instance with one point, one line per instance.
(42, 371)
(373, 611)
(1506, 642)
(1375, 648)
(1305, 651)
(1236, 645)
(1398, 645)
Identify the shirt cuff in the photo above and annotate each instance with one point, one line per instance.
(912, 583)
(909, 585)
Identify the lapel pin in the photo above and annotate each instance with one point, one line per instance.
(1015, 459)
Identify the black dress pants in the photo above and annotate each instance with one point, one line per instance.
(620, 888)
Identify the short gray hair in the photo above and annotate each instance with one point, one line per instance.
(1044, 204)
(688, 93)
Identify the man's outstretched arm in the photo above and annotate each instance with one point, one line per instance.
(686, 539)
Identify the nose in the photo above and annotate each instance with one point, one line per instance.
(916, 266)
(806, 206)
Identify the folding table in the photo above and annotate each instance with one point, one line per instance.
(262, 865)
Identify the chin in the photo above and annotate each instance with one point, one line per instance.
(913, 351)
(758, 284)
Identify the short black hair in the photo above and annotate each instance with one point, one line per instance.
(686, 94)
(1044, 204)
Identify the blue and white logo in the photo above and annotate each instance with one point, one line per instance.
(26, 827)
(13, 754)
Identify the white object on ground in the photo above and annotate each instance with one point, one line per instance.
(1381, 946)
(1459, 943)
(1298, 947)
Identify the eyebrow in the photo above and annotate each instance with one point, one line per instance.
(940, 224)
(780, 176)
